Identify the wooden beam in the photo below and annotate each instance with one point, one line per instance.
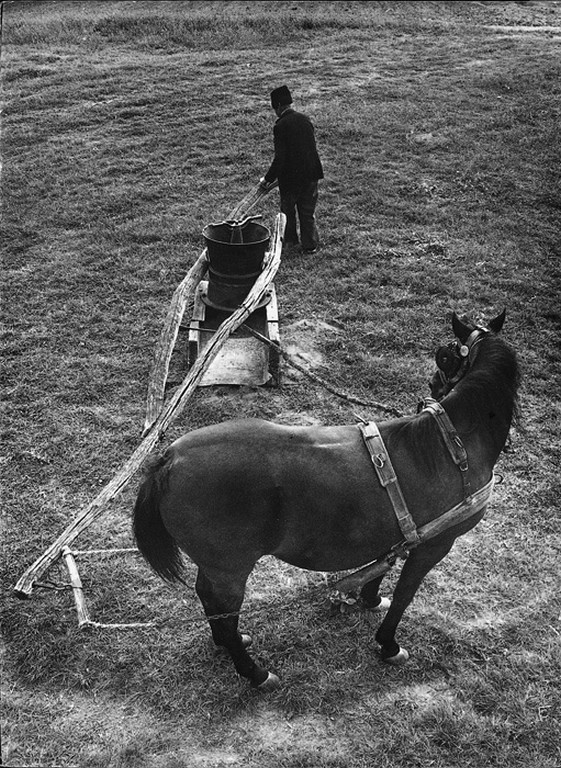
(181, 300)
(271, 263)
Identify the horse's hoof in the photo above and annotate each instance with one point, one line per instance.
(270, 684)
(383, 605)
(399, 659)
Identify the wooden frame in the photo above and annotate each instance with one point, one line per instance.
(174, 407)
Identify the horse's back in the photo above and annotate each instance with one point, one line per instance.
(256, 430)
(256, 448)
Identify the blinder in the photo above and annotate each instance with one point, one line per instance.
(453, 359)
(448, 360)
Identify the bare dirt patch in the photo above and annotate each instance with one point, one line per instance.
(304, 339)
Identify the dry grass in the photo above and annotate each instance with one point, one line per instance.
(129, 126)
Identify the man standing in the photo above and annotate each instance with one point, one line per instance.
(297, 167)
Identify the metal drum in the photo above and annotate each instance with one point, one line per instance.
(235, 254)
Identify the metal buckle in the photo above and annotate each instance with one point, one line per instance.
(378, 460)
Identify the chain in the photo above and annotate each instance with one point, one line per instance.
(314, 377)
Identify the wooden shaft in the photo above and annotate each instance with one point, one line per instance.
(182, 298)
(271, 263)
(243, 208)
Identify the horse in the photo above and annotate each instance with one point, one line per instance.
(230, 493)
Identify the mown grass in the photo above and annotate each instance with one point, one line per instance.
(128, 127)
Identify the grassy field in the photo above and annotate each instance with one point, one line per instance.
(126, 128)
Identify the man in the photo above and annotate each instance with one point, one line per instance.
(297, 167)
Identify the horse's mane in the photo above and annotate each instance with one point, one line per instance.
(494, 380)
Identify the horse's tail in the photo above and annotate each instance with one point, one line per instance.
(154, 541)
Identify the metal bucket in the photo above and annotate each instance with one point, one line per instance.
(235, 254)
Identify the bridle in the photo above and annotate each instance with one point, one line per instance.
(454, 360)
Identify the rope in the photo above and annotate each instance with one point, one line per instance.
(185, 621)
(156, 624)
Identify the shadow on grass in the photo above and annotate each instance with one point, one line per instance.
(326, 661)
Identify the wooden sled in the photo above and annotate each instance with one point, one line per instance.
(183, 300)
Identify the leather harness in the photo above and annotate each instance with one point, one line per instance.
(388, 480)
(472, 503)
(452, 441)
(386, 473)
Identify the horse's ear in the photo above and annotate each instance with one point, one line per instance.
(461, 330)
(497, 323)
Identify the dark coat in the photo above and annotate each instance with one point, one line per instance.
(296, 161)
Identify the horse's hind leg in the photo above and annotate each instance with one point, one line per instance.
(222, 596)
(416, 567)
(370, 597)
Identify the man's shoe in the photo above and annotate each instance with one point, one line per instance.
(309, 251)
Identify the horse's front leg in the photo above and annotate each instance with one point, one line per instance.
(415, 568)
(222, 599)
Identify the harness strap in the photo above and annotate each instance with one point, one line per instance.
(388, 480)
(452, 441)
(458, 514)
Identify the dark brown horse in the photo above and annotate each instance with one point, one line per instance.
(228, 494)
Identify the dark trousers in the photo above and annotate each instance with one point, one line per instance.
(304, 201)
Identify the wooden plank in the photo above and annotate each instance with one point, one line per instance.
(272, 309)
(242, 360)
(271, 263)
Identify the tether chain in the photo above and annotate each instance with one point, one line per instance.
(289, 359)
(216, 616)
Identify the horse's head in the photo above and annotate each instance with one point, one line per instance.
(454, 360)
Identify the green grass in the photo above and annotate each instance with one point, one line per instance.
(127, 127)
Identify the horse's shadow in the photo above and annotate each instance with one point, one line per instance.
(327, 661)
(324, 658)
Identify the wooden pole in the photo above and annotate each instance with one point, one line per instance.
(182, 298)
(77, 588)
(250, 201)
(84, 621)
(271, 263)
